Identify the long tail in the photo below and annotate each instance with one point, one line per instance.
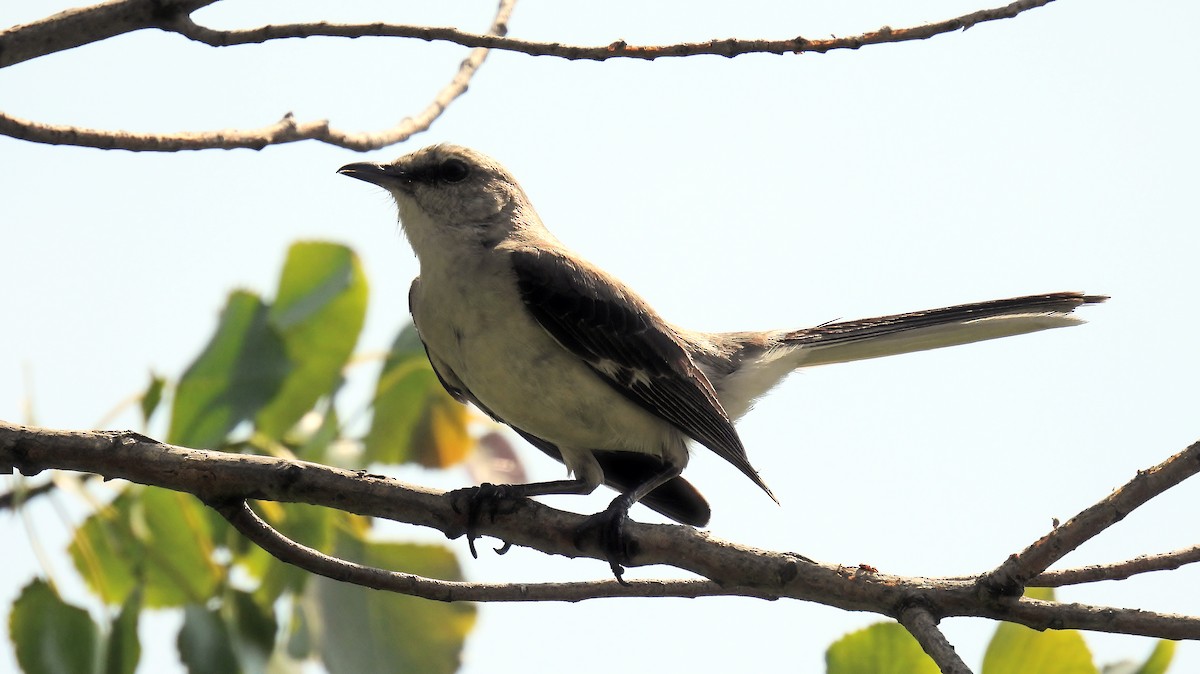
(759, 360)
(845, 341)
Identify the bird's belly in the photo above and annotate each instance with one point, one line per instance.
(531, 382)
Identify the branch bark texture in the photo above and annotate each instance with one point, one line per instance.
(227, 480)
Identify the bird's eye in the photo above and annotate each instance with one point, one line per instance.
(453, 171)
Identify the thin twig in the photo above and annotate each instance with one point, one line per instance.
(1011, 577)
(923, 626)
(286, 130)
(260, 533)
(23, 494)
(1167, 561)
(619, 49)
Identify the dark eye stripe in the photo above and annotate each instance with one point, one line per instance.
(449, 171)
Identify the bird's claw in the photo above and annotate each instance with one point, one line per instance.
(608, 530)
(478, 501)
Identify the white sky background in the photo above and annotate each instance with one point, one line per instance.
(1051, 152)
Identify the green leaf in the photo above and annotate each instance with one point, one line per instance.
(1160, 658)
(1016, 649)
(50, 636)
(179, 542)
(882, 648)
(318, 312)
(238, 373)
(371, 631)
(106, 553)
(124, 650)
(152, 397)
(415, 419)
(203, 642)
(1040, 593)
(149, 537)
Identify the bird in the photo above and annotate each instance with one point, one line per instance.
(578, 364)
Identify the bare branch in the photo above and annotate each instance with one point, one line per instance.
(1011, 577)
(21, 495)
(82, 26)
(1167, 561)
(286, 130)
(223, 478)
(619, 49)
(923, 626)
(286, 550)
(1045, 615)
(85, 25)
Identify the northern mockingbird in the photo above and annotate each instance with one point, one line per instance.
(585, 370)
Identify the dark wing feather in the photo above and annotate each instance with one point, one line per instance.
(621, 338)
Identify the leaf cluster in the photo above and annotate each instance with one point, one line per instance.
(266, 382)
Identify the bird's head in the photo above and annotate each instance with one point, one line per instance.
(449, 194)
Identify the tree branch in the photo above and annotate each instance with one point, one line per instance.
(1011, 577)
(20, 495)
(286, 130)
(1167, 561)
(260, 533)
(222, 478)
(923, 626)
(618, 49)
(83, 26)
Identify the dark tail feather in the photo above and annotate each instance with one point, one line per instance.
(844, 341)
(624, 471)
(676, 498)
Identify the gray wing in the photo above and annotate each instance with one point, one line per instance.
(620, 337)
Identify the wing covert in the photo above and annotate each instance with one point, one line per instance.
(620, 337)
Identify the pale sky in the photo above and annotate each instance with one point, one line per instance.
(1056, 151)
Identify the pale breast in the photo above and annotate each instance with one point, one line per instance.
(515, 368)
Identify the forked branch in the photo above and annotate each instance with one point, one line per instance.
(286, 130)
(82, 26)
(228, 480)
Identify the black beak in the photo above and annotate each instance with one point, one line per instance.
(376, 174)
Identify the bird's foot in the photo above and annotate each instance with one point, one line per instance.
(476, 502)
(608, 529)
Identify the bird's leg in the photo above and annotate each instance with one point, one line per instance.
(487, 497)
(609, 526)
